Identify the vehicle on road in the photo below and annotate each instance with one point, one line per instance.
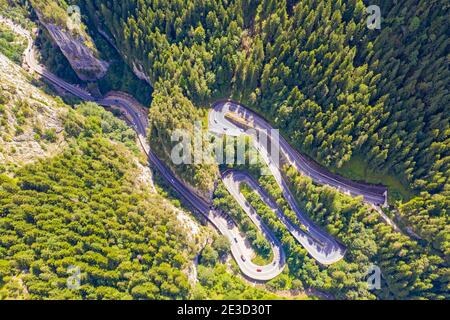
(243, 258)
(235, 240)
(258, 270)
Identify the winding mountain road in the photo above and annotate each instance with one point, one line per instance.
(232, 181)
(319, 244)
(373, 194)
(138, 117)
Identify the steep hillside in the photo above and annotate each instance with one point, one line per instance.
(64, 25)
(30, 120)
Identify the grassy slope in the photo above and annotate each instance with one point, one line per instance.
(357, 169)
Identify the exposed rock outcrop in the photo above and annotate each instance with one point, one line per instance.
(81, 57)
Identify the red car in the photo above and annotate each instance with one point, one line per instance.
(258, 270)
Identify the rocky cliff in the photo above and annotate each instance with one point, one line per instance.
(81, 57)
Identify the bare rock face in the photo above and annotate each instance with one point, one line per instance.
(138, 71)
(81, 57)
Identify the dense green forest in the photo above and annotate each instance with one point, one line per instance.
(341, 93)
(411, 269)
(312, 67)
(11, 45)
(183, 116)
(338, 91)
(226, 203)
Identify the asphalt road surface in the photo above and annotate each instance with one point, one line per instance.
(138, 117)
(321, 246)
